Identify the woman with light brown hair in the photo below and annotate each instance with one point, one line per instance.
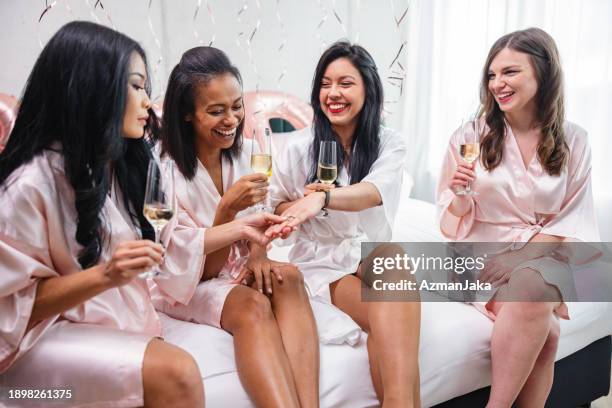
(533, 185)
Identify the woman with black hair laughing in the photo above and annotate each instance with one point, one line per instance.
(347, 99)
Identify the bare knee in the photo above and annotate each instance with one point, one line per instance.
(182, 371)
(292, 279)
(171, 376)
(251, 310)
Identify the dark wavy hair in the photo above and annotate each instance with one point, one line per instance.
(197, 67)
(366, 140)
(553, 151)
(76, 95)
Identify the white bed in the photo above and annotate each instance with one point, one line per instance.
(454, 352)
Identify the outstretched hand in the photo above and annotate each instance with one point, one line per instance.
(255, 227)
(301, 210)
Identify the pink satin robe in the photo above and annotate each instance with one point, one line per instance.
(516, 202)
(95, 349)
(198, 200)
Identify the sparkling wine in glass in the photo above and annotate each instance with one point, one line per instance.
(159, 201)
(470, 150)
(327, 169)
(261, 157)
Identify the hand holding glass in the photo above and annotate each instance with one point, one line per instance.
(470, 150)
(327, 170)
(261, 157)
(159, 201)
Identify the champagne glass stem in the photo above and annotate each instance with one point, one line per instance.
(157, 230)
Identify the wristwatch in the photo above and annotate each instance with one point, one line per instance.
(326, 202)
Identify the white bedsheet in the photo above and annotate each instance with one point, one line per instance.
(454, 353)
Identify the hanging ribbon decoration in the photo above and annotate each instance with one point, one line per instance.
(281, 46)
(160, 59)
(323, 20)
(249, 41)
(69, 9)
(106, 13)
(92, 11)
(48, 6)
(338, 18)
(211, 16)
(397, 70)
(195, 18)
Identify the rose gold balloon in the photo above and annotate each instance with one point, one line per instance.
(262, 106)
(8, 112)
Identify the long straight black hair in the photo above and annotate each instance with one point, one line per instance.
(197, 67)
(366, 140)
(76, 95)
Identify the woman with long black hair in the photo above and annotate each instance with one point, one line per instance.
(347, 99)
(74, 315)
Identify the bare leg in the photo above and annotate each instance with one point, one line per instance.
(375, 369)
(263, 367)
(538, 384)
(299, 333)
(171, 377)
(520, 332)
(395, 344)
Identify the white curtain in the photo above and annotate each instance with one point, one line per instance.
(448, 41)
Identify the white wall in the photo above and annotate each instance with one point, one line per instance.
(577, 25)
(173, 23)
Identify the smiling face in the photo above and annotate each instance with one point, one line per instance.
(137, 101)
(513, 82)
(218, 110)
(342, 93)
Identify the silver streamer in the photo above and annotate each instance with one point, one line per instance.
(281, 46)
(323, 20)
(338, 18)
(211, 16)
(92, 11)
(48, 7)
(106, 13)
(196, 35)
(398, 73)
(160, 59)
(250, 48)
(69, 9)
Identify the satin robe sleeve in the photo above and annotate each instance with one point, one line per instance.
(289, 172)
(451, 226)
(24, 260)
(386, 175)
(184, 257)
(576, 218)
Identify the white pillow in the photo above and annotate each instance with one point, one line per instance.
(416, 221)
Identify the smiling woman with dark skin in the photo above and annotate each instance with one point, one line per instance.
(262, 303)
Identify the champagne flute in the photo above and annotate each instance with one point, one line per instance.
(470, 150)
(159, 201)
(327, 170)
(261, 157)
